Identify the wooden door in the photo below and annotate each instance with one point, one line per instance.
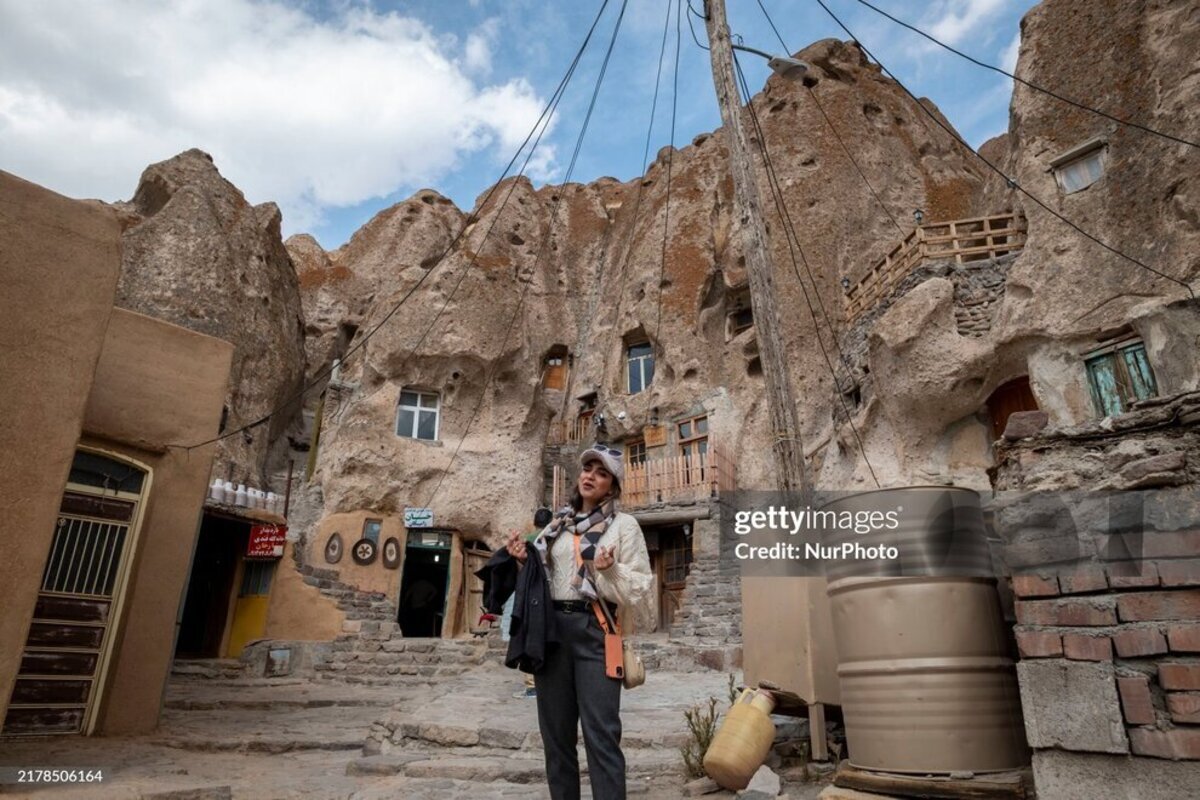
(1014, 396)
(474, 560)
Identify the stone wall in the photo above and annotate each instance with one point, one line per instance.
(1108, 609)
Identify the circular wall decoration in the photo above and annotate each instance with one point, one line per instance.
(391, 553)
(364, 552)
(333, 548)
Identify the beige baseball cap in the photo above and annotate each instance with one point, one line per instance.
(612, 459)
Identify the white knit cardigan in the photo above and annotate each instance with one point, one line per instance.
(629, 582)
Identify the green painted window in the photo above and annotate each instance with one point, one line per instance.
(1119, 375)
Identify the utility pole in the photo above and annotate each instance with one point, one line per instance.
(785, 423)
(809, 603)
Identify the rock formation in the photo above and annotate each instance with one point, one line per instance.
(584, 262)
(200, 256)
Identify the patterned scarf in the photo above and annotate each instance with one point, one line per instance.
(591, 528)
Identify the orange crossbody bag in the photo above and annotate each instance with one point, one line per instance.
(620, 662)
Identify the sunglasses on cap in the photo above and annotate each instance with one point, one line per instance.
(599, 448)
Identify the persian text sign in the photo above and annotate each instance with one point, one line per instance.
(266, 541)
(418, 517)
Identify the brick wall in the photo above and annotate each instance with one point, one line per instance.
(1108, 638)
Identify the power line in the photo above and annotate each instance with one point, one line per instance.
(1030, 84)
(537, 257)
(1012, 182)
(793, 241)
(698, 15)
(662, 263)
(637, 205)
(817, 102)
(555, 100)
(327, 371)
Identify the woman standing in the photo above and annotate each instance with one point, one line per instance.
(590, 550)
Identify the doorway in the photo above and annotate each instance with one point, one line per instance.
(61, 672)
(1009, 398)
(670, 550)
(424, 583)
(210, 587)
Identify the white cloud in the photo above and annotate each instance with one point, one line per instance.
(311, 113)
(956, 19)
(478, 49)
(1008, 58)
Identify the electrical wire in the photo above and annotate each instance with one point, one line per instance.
(794, 246)
(662, 264)
(637, 205)
(325, 372)
(537, 257)
(1030, 84)
(1012, 182)
(698, 15)
(556, 99)
(817, 102)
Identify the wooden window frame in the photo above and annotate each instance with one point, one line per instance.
(636, 452)
(1126, 393)
(683, 440)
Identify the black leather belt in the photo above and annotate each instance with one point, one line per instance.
(579, 606)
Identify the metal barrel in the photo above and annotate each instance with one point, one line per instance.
(927, 684)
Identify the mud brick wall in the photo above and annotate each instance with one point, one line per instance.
(1108, 637)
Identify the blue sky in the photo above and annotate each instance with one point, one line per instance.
(336, 110)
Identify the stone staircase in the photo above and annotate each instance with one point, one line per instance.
(355, 604)
(375, 652)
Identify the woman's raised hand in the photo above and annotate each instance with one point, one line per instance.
(516, 546)
(604, 558)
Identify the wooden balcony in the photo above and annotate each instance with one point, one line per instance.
(961, 240)
(674, 479)
(571, 431)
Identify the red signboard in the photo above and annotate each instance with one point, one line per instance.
(266, 541)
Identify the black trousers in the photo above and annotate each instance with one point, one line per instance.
(572, 688)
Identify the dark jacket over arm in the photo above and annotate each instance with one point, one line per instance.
(533, 627)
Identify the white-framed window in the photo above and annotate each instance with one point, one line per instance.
(1081, 166)
(640, 359)
(417, 415)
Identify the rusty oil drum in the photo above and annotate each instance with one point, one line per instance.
(927, 682)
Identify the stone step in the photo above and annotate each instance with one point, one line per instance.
(208, 668)
(503, 766)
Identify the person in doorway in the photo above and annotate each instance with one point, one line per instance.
(541, 519)
(590, 551)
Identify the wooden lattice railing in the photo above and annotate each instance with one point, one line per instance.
(679, 478)
(665, 480)
(960, 240)
(570, 431)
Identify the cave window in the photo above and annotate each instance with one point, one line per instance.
(371, 529)
(693, 446)
(417, 416)
(554, 370)
(640, 360)
(637, 452)
(1118, 375)
(1081, 166)
(740, 316)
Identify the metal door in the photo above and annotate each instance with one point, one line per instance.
(71, 632)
